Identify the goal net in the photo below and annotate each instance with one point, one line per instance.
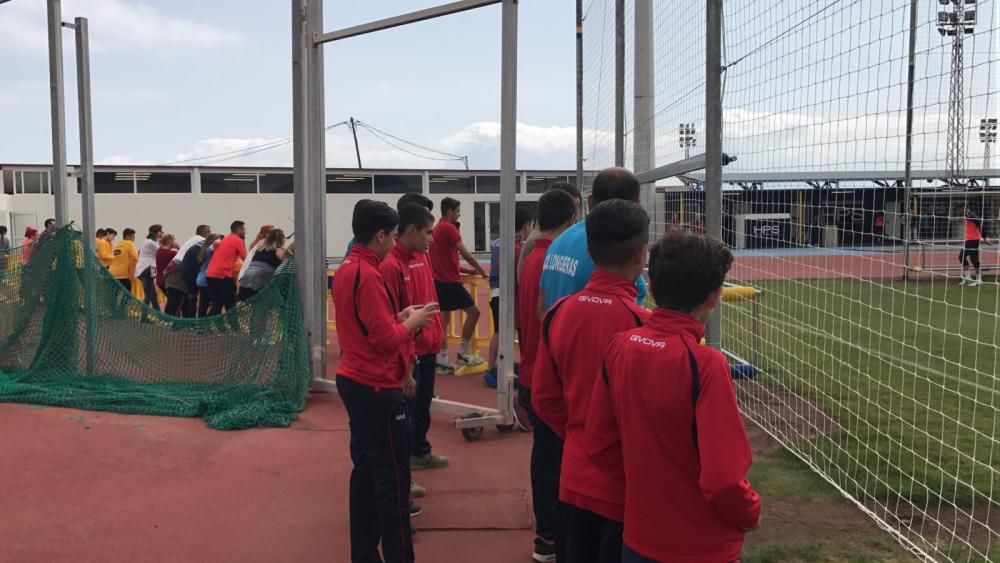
(876, 362)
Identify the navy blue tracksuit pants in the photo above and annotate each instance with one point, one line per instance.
(380, 480)
(420, 413)
(546, 464)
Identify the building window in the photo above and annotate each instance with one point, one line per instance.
(542, 183)
(163, 182)
(32, 182)
(451, 184)
(8, 182)
(348, 183)
(229, 183)
(276, 183)
(114, 182)
(491, 184)
(398, 184)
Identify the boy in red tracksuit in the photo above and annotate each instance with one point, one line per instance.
(556, 212)
(373, 382)
(664, 408)
(575, 332)
(408, 276)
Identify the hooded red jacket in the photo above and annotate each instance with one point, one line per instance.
(376, 348)
(530, 326)
(575, 332)
(408, 276)
(665, 408)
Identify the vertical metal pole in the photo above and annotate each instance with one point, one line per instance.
(357, 149)
(508, 187)
(619, 82)
(87, 187)
(579, 94)
(58, 176)
(644, 128)
(309, 256)
(316, 194)
(713, 144)
(908, 164)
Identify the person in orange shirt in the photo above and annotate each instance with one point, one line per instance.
(220, 271)
(969, 255)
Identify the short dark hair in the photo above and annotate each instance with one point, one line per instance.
(616, 229)
(568, 188)
(449, 203)
(203, 230)
(416, 215)
(100, 232)
(522, 216)
(685, 268)
(128, 232)
(236, 225)
(49, 222)
(371, 218)
(419, 199)
(110, 230)
(153, 229)
(555, 207)
(614, 183)
(3, 230)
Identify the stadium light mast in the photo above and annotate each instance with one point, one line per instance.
(686, 138)
(987, 136)
(956, 20)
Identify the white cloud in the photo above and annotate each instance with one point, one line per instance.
(122, 160)
(114, 24)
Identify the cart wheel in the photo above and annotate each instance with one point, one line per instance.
(505, 427)
(472, 434)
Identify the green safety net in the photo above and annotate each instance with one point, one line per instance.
(109, 352)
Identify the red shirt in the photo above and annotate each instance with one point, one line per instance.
(972, 230)
(527, 309)
(408, 277)
(224, 258)
(375, 346)
(163, 258)
(686, 494)
(444, 252)
(575, 331)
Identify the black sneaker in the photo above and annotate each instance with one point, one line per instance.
(415, 510)
(544, 551)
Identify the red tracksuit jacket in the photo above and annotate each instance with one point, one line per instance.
(575, 332)
(527, 309)
(376, 348)
(408, 277)
(684, 447)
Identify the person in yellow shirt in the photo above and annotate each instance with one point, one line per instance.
(126, 257)
(103, 248)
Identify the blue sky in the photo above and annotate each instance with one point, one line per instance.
(186, 78)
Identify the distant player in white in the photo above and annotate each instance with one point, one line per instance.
(969, 255)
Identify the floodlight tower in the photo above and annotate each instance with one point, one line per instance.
(987, 136)
(957, 19)
(686, 138)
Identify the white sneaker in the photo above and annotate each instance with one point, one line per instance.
(965, 281)
(976, 282)
(469, 359)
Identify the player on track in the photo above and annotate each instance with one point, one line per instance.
(969, 255)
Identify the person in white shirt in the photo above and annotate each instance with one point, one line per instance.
(199, 236)
(145, 269)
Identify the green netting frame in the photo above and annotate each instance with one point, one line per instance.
(245, 368)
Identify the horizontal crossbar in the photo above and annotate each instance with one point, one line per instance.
(404, 19)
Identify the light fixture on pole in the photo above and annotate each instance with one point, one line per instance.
(987, 136)
(956, 20)
(686, 137)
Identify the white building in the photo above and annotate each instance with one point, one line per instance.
(180, 197)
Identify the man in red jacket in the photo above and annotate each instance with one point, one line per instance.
(575, 332)
(408, 276)
(664, 408)
(373, 380)
(556, 212)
